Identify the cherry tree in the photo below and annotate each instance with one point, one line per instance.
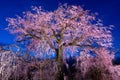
(68, 27)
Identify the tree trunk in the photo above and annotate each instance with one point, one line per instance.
(59, 61)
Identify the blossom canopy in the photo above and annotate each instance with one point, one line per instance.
(66, 26)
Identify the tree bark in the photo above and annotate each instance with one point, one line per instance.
(59, 61)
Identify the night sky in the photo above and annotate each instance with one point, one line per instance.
(109, 12)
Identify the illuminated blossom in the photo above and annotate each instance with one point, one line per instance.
(67, 27)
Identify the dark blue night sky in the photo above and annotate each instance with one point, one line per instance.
(109, 12)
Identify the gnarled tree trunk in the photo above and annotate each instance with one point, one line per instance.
(59, 61)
